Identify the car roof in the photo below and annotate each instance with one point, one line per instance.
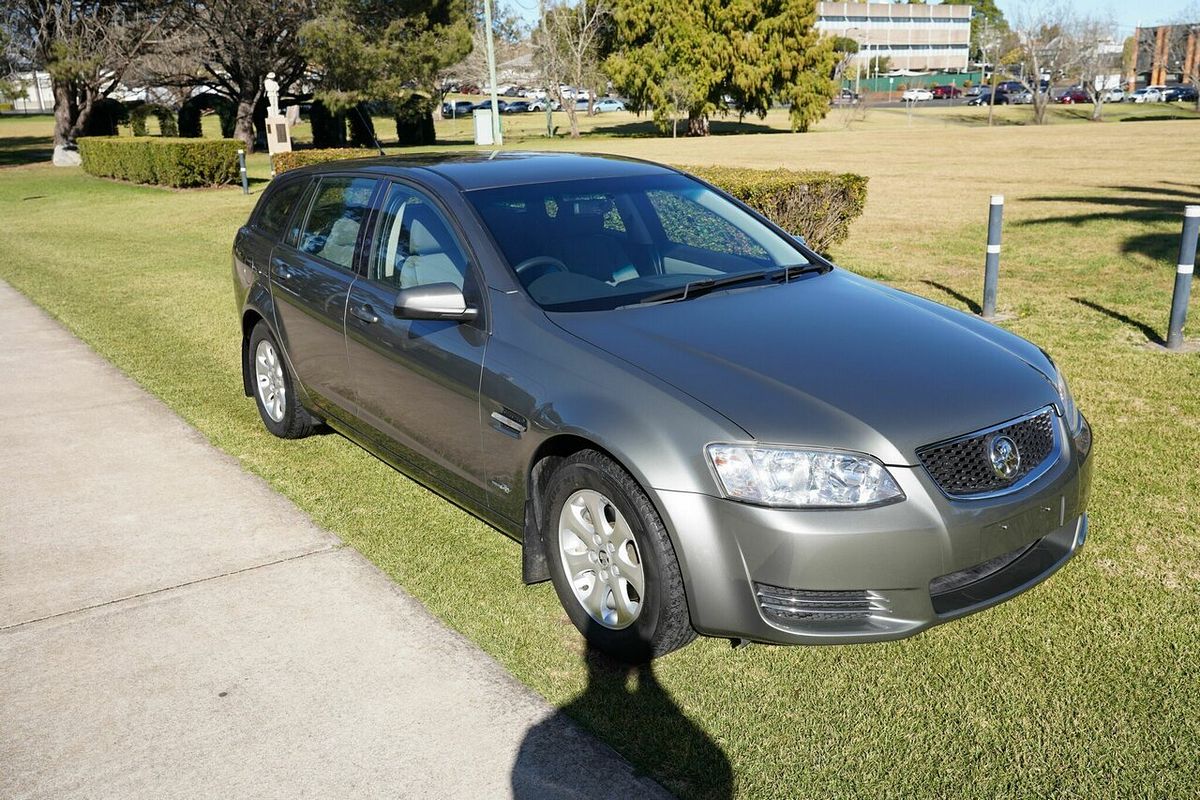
(494, 169)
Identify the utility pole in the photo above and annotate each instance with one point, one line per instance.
(491, 60)
(545, 87)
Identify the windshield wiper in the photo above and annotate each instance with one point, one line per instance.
(704, 286)
(785, 274)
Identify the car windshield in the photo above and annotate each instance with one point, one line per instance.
(597, 244)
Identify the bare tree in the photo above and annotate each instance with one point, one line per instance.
(1092, 52)
(507, 36)
(1039, 47)
(568, 50)
(87, 46)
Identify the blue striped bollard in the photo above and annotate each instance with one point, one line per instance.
(1183, 277)
(991, 266)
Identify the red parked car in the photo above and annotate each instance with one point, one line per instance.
(1074, 95)
(946, 92)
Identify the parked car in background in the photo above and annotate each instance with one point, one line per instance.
(609, 104)
(1010, 87)
(1073, 95)
(947, 91)
(540, 104)
(1151, 94)
(643, 390)
(457, 108)
(515, 107)
(1021, 98)
(984, 98)
(1114, 96)
(845, 97)
(974, 91)
(1179, 93)
(916, 95)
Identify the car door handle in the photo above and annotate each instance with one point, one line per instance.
(365, 313)
(281, 270)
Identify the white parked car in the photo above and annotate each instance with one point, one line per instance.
(916, 95)
(1114, 96)
(1151, 94)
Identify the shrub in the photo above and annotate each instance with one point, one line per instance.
(282, 162)
(817, 205)
(166, 162)
(165, 116)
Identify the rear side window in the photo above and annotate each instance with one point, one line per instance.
(338, 213)
(278, 207)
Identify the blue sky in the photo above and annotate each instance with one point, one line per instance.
(1127, 13)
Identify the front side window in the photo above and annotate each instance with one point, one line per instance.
(413, 243)
(603, 243)
(338, 213)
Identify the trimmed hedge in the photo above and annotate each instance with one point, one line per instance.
(282, 162)
(817, 205)
(166, 162)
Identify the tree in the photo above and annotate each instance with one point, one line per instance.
(87, 46)
(1184, 39)
(393, 52)
(1039, 46)
(568, 51)
(240, 41)
(1092, 55)
(751, 52)
(846, 49)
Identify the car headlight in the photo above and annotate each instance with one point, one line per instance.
(1070, 411)
(800, 477)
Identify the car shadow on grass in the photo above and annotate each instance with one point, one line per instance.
(626, 706)
(1164, 204)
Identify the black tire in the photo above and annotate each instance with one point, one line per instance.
(663, 623)
(296, 422)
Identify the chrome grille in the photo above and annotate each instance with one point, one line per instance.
(804, 605)
(962, 467)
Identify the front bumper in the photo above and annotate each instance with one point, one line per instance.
(865, 575)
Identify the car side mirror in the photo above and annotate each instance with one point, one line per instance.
(443, 301)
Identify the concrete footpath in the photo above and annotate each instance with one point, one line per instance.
(172, 627)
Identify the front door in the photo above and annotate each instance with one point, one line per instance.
(417, 381)
(311, 273)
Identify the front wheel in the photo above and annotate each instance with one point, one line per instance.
(612, 562)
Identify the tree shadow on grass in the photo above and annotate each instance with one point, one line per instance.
(974, 307)
(1164, 205)
(718, 127)
(19, 150)
(628, 707)
(1147, 331)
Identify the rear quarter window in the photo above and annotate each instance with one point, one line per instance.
(277, 207)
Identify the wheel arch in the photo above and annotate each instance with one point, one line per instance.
(250, 318)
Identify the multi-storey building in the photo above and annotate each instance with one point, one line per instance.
(913, 36)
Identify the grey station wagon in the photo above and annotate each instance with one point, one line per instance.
(690, 421)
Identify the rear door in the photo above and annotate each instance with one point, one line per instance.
(417, 381)
(311, 274)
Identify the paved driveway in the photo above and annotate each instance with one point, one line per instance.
(171, 627)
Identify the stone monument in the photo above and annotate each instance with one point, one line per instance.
(279, 136)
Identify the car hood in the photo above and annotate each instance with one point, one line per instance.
(830, 360)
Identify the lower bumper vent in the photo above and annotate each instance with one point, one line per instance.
(803, 605)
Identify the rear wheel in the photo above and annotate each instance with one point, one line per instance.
(274, 388)
(612, 561)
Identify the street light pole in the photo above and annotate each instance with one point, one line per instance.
(491, 60)
(545, 87)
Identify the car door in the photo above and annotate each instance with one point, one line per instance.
(417, 381)
(311, 273)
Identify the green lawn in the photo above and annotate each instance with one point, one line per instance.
(1086, 687)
